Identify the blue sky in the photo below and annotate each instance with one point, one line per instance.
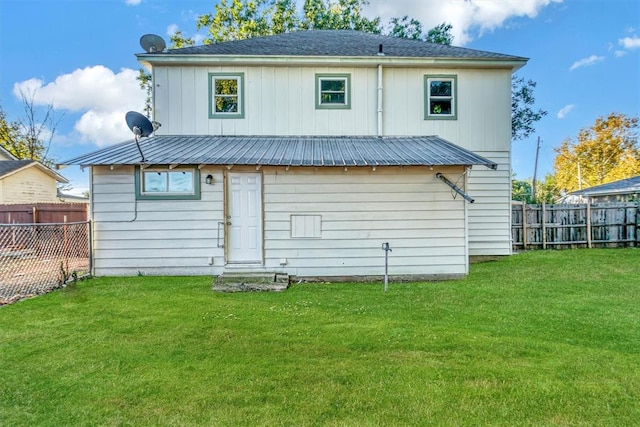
(79, 54)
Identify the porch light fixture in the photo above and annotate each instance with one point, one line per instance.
(209, 179)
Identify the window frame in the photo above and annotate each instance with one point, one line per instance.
(428, 78)
(166, 195)
(347, 91)
(213, 114)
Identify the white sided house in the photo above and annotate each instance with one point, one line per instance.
(303, 153)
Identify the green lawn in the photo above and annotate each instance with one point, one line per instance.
(541, 338)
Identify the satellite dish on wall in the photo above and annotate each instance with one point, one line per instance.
(152, 43)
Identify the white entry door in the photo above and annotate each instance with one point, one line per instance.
(244, 217)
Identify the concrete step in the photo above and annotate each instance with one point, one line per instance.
(251, 282)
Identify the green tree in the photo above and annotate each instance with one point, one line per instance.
(521, 190)
(338, 15)
(242, 19)
(144, 79)
(523, 115)
(405, 28)
(604, 152)
(440, 34)
(546, 191)
(9, 136)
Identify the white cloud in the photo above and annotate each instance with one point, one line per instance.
(593, 59)
(564, 111)
(132, 2)
(102, 96)
(466, 16)
(171, 29)
(620, 53)
(103, 127)
(630, 42)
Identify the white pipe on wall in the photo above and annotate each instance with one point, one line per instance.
(380, 100)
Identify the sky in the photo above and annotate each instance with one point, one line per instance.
(79, 56)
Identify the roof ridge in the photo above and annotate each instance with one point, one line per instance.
(334, 43)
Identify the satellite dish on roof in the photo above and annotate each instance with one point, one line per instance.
(141, 127)
(152, 43)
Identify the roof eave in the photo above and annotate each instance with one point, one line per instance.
(42, 168)
(149, 60)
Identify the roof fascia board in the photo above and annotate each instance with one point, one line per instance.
(43, 168)
(148, 60)
(7, 153)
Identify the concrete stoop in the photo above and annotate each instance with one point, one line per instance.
(248, 282)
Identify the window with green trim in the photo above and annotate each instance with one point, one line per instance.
(166, 183)
(440, 97)
(333, 91)
(226, 95)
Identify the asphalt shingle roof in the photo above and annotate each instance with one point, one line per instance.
(311, 151)
(336, 43)
(629, 185)
(8, 166)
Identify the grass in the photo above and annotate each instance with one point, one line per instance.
(541, 338)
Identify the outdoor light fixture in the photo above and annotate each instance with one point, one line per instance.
(209, 179)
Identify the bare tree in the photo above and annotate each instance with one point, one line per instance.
(30, 136)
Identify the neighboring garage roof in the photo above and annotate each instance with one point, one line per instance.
(336, 43)
(340, 151)
(9, 167)
(623, 186)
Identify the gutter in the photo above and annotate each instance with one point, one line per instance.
(148, 60)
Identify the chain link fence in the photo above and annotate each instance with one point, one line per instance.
(38, 258)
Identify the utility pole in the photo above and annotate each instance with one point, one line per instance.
(535, 172)
(579, 176)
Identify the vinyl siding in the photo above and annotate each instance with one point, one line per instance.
(281, 101)
(359, 210)
(490, 215)
(153, 236)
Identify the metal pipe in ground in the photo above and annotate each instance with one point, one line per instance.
(386, 249)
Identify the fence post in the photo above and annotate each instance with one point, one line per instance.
(589, 244)
(638, 224)
(65, 234)
(35, 215)
(524, 226)
(544, 226)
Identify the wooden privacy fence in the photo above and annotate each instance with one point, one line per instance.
(43, 213)
(575, 225)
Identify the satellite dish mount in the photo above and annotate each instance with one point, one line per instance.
(152, 43)
(140, 126)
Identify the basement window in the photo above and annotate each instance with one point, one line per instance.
(180, 183)
(333, 91)
(440, 97)
(226, 96)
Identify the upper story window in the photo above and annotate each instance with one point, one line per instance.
(333, 91)
(440, 97)
(226, 95)
(165, 183)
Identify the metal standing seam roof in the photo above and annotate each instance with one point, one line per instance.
(335, 43)
(318, 151)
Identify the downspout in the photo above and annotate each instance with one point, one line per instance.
(380, 95)
(380, 53)
(91, 227)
